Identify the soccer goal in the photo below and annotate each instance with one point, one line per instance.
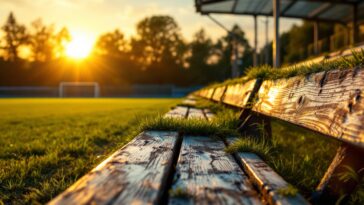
(79, 89)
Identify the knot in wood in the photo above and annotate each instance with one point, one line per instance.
(357, 96)
(301, 100)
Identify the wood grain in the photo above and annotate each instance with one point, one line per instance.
(207, 175)
(177, 112)
(210, 93)
(331, 187)
(194, 113)
(219, 93)
(199, 93)
(239, 94)
(328, 102)
(135, 174)
(265, 178)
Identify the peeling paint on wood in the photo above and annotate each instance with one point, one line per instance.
(239, 94)
(135, 174)
(207, 175)
(177, 112)
(327, 102)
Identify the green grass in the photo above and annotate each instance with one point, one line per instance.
(288, 191)
(222, 125)
(266, 72)
(300, 156)
(47, 144)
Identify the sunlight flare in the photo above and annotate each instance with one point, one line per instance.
(80, 46)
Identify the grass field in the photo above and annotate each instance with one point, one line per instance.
(47, 144)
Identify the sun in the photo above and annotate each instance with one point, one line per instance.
(80, 46)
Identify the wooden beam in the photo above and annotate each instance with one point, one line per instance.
(135, 174)
(268, 182)
(331, 188)
(328, 102)
(177, 112)
(206, 174)
(210, 93)
(219, 93)
(239, 94)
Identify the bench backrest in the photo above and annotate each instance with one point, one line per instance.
(328, 102)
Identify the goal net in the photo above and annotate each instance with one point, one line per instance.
(79, 89)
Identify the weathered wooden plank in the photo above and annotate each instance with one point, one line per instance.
(266, 179)
(219, 93)
(269, 182)
(208, 114)
(331, 187)
(135, 174)
(210, 93)
(203, 93)
(189, 102)
(177, 112)
(207, 175)
(194, 113)
(239, 94)
(327, 102)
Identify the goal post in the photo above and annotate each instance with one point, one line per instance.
(79, 89)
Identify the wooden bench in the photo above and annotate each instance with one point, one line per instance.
(171, 168)
(330, 103)
(160, 167)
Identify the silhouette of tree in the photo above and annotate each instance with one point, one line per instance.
(15, 37)
(42, 41)
(45, 43)
(223, 49)
(112, 44)
(61, 39)
(158, 39)
(200, 51)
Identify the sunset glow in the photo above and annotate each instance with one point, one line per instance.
(80, 46)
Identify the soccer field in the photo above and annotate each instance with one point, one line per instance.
(47, 144)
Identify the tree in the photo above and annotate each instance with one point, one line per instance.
(42, 41)
(15, 37)
(112, 44)
(159, 39)
(45, 43)
(199, 58)
(61, 39)
(236, 39)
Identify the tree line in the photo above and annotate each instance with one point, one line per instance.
(157, 54)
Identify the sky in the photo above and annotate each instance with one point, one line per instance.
(94, 17)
